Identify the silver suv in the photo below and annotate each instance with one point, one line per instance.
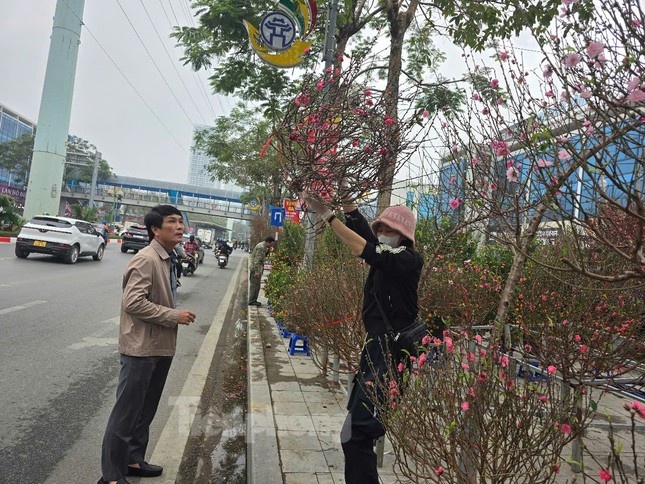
(62, 237)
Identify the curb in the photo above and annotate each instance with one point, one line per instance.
(172, 443)
(262, 455)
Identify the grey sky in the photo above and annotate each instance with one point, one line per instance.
(106, 110)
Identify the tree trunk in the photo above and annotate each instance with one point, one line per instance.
(399, 23)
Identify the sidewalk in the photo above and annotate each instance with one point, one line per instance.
(295, 415)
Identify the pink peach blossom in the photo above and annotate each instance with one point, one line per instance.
(512, 175)
(551, 369)
(639, 408)
(439, 470)
(544, 163)
(571, 60)
(633, 84)
(636, 96)
(494, 83)
(564, 155)
(594, 49)
(465, 406)
(455, 203)
(604, 475)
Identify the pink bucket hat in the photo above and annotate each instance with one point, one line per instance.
(399, 218)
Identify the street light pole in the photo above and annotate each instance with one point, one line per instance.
(328, 57)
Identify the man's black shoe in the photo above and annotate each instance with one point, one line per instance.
(146, 470)
(123, 480)
(256, 303)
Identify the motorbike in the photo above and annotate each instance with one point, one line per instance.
(222, 259)
(188, 265)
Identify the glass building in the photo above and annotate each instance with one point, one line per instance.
(579, 195)
(12, 125)
(198, 174)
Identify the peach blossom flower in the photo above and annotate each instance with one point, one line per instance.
(571, 60)
(594, 49)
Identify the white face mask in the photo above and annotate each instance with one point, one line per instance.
(393, 241)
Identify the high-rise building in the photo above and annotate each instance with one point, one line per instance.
(198, 169)
(12, 125)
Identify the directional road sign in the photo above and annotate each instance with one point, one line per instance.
(277, 216)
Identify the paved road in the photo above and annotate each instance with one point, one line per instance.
(58, 359)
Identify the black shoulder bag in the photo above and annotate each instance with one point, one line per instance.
(407, 340)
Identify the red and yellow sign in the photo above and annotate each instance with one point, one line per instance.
(292, 210)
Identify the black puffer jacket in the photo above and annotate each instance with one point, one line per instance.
(393, 278)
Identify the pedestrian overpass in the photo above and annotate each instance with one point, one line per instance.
(141, 192)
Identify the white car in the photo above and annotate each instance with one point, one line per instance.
(63, 237)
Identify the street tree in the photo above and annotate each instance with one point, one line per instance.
(236, 145)
(220, 39)
(16, 154)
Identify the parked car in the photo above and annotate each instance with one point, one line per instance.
(63, 237)
(134, 238)
(200, 252)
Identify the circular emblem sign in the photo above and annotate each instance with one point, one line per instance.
(278, 30)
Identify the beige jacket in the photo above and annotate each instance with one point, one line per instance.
(148, 315)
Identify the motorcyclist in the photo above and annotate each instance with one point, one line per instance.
(192, 247)
(224, 248)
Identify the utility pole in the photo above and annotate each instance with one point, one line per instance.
(50, 143)
(328, 57)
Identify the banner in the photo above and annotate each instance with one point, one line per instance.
(292, 210)
(18, 194)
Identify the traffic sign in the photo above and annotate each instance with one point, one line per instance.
(277, 216)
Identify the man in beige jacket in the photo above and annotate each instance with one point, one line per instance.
(147, 341)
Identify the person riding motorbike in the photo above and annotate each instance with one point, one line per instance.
(224, 249)
(191, 247)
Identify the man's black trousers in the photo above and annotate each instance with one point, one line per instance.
(141, 383)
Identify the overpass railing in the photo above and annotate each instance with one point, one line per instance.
(159, 197)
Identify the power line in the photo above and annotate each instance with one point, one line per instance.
(202, 89)
(126, 78)
(172, 62)
(155, 64)
(187, 13)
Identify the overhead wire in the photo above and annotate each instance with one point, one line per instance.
(172, 62)
(143, 44)
(120, 71)
(177, 22)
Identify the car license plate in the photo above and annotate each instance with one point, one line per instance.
(39, 243)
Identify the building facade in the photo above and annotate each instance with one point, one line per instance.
(198, 174)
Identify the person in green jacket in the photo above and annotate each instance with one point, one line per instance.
(256, 268)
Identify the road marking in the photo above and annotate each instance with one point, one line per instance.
(91, 341)
(96, 338)
(22, 306)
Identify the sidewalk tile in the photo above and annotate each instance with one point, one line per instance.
(296, 422)
(303, 461)
(290, 408)
(284, 386)
(284, 396)
(298, 440)
(300, 478)
(326, 423)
